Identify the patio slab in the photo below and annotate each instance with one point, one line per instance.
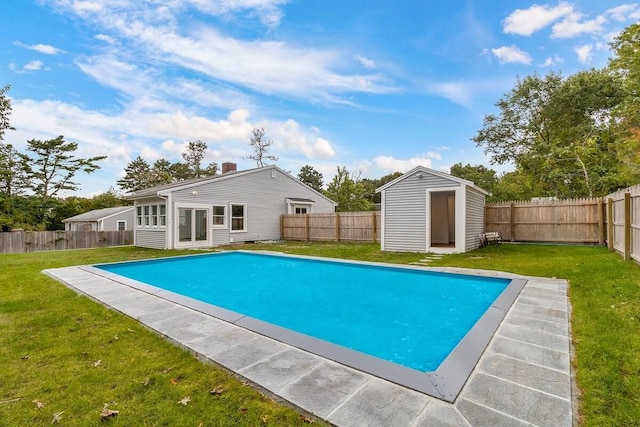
(523, 377)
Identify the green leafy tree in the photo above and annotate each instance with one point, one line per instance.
(13, 178)
(137, 176)
(625, 63)
(559, 131)
(372, 184)
(52, 167)
(260, 144)
(311, 177)
(193, 159)
(5, 111)
(161, 173)
(480, 175)
(350, 194)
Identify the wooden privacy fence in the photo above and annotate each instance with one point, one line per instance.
(554, 221)
(38, 241)
(336, 227)
(623, 207)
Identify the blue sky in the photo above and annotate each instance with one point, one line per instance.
(377, 86)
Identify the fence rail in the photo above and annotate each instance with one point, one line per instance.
(336, 227)
(39, 241)
(555, 221)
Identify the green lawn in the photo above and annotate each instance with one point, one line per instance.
(63, 353)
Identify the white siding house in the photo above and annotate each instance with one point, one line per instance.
(242, 206)
(429, 211)
(108, 219)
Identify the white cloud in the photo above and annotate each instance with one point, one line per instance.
(288, 136)
(42, 48)
(584, 53)
(551, 61)
(268, 11)
(457, 92)
(624, 12)
(391, 164)
(571, 26)
(267, 66)
(525, 22)
(105, 38)
(366, 62)
(33, 66)
(511, 54)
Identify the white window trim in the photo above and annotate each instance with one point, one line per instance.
(140, 220)
(245, 217)
(222, 226)
(124, 221)
(293, 204)
(193, 244)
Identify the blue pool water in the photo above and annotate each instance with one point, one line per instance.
(410, 317)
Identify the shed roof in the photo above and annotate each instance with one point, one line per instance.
(427, 170)
(98, 214)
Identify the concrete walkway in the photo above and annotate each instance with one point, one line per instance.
(522, 379)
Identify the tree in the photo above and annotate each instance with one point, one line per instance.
(5, 111)
(13, 179)
(372, 184)
(311, 177)
(137, 176)
(349, 193)
(161, 173)
(559, 131)
(625, 63)
(193, 159)
(260, 144)
(52, 167)
(480, 175)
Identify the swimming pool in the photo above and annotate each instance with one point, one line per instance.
(408, 325)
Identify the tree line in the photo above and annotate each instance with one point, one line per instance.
(565, 137)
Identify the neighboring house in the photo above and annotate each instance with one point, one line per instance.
(237, 206)
(109, 219)
(429, 211)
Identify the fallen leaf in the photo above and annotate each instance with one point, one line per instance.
(217, 391)
(167, 370)
(38, 403)
(116, 337)
(57, 417)
(97, 363)
(185, 400)
(265, 418)
(175, 381)
(243, 410)
(306, 419)
(146, 381)
(106, 412)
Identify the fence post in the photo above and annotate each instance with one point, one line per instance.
(512, 223)
(627, 226)
(373, 226)
(601, 230)
(337, 227)
(307, 226)
(281, 227)
(610, 229)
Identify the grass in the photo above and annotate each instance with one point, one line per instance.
(64, 354)
(52, 339)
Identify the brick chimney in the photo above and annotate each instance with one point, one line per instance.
(228, 167)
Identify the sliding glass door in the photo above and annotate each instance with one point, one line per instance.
(193, 226)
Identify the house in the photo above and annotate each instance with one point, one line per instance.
(429, 211)
(109, 219)
(237, 206)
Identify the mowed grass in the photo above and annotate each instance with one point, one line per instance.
(605, 298)
(51, 341)
(64, 357)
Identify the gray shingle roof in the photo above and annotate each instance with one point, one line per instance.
(97, 214)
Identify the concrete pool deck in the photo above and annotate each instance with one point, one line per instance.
(522, 378)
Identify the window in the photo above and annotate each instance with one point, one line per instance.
(163, 215)
(154, 215)
(121, 225)
(219, 216)
(151, 216)
(301, 210)
(239, 217)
